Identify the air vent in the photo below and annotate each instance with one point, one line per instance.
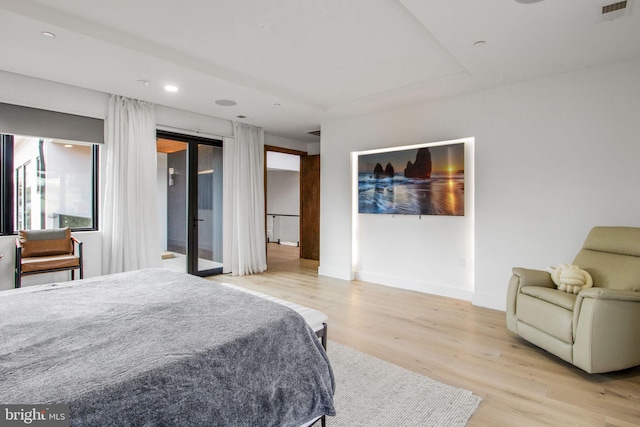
(615, 10)
(314, 132)
(613, 7)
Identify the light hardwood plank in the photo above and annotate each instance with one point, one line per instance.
(454, 342)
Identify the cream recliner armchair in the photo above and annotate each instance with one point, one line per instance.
(597, 330)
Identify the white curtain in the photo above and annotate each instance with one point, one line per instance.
(130, 229)
(244, 216)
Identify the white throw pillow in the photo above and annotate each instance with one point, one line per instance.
(570, 278)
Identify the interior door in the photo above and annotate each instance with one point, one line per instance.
(310, 207)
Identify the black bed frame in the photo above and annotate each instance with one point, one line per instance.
(322, 334)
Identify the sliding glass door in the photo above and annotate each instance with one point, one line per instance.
(190, 198)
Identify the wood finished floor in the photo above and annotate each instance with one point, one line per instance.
(457, 343)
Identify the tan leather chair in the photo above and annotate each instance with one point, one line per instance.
(597, 330)
(46, 251)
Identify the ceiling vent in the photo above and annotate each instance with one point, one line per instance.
(616, 10)
(314, 132)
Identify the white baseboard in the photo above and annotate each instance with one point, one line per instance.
(494, 302)
(414, 285)
(335, 273)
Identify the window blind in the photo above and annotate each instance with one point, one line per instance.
(18, 120)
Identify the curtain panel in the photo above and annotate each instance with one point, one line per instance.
(130, 213)
(244, 210)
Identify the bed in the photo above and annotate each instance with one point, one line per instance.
(157, 347)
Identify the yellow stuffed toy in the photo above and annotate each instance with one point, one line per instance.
(570, 278)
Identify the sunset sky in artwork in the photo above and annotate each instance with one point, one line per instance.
(444, 158)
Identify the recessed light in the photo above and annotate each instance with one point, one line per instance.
(68, 146)
(480, 43)
(277, 104)
(48, 34)
(143, 82)
(241, 117)
(226, 102)
(171, 88)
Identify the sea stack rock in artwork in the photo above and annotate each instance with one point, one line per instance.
(388, 172)
(377, 171)
(422, 166)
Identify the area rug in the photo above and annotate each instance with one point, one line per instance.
(372, 392)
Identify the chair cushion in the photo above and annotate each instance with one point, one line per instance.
(554, 296)
(49, 262)
(37, 243)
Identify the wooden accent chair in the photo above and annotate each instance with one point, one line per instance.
(46, 251)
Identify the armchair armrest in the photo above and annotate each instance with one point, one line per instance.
(610, 294)
(528, 277)
(523, 277)
(605, 337)
(76, 240)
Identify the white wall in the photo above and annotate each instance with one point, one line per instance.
(313, 148)
(278, 141)
(29, 92)
(283, 161)
(283, 192)
(553, 157)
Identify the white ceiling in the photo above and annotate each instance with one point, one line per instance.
(319, 59)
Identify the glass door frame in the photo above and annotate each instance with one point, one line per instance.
(192, 197)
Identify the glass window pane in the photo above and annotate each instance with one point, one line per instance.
(54, 184)
(209, 207)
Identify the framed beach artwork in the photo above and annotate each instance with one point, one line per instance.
(421, 180)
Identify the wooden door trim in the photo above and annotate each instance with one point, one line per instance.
(281, 150)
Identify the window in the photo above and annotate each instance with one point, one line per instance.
(48, 183)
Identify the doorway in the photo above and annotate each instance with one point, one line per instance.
(282, 199)
(190, 202)
(292, 189)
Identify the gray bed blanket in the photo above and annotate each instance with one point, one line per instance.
(159, 348)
